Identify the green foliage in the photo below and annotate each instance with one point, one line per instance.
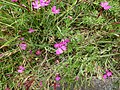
(93, 48)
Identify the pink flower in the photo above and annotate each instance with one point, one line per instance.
(41, 84)
(62, 43)
(59, 51)
(62, 46)
(31, 30)
(105, 5)
(23, 46)
(108, 73)
(44, 3)
(36, 4)
(38, 52)
(22, 38)
(14, 0)
(41, 3)
(104, 76)
(77, 78)
(55, 11)
(57, 78)
(21, 69)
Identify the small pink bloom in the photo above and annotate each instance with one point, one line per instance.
(31, 30)
(36, 4)
(104, 76)
(23, 46)
(44, 3)
(59, 51)
(14, 0)
(41, 84)
(105, 5)
(77, 78)
(55, 11)
(57, 78)
(62, 46)
(108, 73)
(22, 38)
(41, 3)
(38, 52)
(21, 69)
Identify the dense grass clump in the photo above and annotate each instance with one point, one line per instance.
(52, 43)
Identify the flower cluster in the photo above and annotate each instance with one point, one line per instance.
(23, 46)
(107, 74)
(21, 69)
(61, 46)
(105, 5)
(41, 3)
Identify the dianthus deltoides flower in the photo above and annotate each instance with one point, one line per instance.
(40, 3)
(23, 46)
(107, 74)
(61, 47)
(55, 11)
(38, 52)
(57, 78)
(21, 69)
(105, 5)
